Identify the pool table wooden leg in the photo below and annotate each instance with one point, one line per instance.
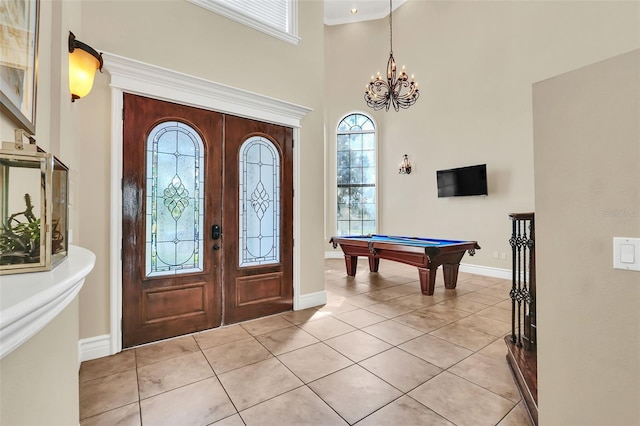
(351, 263)
(427, 280)
(374, 262)
(450, 275)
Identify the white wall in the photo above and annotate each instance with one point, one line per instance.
(475, 63)
(39, 380)
(587, 158)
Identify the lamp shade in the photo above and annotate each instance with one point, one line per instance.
(83, 63)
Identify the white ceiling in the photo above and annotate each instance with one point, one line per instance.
(339, 11)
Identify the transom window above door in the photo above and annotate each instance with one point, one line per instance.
(356, 162)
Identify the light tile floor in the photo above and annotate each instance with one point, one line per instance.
(378, 353)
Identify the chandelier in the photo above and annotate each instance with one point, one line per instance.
(394, 90)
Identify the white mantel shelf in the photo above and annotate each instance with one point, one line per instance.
(28, 302)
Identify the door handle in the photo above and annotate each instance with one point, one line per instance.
(215, 232)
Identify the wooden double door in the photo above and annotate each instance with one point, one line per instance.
(207, 219)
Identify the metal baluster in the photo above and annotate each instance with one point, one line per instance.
(525, 273)
(523, 281)
(519, 293)
(530, 331)
(512, 293)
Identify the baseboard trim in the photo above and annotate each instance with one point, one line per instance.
(100, 346)
(487, 271)
(94, 347)
(334, 254)
(311, 300)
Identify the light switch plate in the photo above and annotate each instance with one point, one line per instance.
(626, 253)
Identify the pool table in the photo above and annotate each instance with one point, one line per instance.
(425, 253)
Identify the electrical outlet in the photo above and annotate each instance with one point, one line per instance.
(503, 256)
(495, 254)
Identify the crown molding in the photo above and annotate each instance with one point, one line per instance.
(132, 76)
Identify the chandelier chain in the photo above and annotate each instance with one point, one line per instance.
(390, 27)
(395, 89)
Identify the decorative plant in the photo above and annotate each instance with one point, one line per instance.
(20, 240)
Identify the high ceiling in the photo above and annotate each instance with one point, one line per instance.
(339, 11)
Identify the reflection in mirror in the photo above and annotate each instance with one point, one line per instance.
(59, 220)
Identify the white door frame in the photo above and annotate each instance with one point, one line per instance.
(131, 76)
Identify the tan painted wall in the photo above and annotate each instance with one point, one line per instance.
(55, 112)
(43, 372)
(51, 109)
(587, 161)
(183, 37)
(475, 63)
(39, 379)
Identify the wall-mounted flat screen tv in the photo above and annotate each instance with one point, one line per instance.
(462, 181)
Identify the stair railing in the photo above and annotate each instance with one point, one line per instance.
(523, 288)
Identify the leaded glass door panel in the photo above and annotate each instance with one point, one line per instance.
(258, 219)
(174, 201)
(172, 185)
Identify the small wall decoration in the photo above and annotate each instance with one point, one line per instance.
(18, 61)
(33, 207)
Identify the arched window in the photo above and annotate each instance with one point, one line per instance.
(356, 168)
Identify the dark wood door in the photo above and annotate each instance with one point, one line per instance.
(207, 220)
(258, 219)
(171, 189)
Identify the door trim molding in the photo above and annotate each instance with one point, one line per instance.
(132, 76)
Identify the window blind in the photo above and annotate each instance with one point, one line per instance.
(277, 18)
(271, 12)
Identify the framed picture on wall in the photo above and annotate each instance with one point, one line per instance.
(19, 61)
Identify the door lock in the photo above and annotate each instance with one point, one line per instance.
(216, 247)
(215, 232)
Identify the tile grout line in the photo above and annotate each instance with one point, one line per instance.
(345, 299)
(221, 384)
(135, 359)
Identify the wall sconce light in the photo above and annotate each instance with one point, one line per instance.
(83, 63)
(405, 166)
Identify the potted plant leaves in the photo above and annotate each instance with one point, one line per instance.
(20, 237)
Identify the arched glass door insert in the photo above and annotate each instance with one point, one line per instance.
(174, 200)
(259, 192)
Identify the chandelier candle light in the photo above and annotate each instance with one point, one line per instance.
(395, 90)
